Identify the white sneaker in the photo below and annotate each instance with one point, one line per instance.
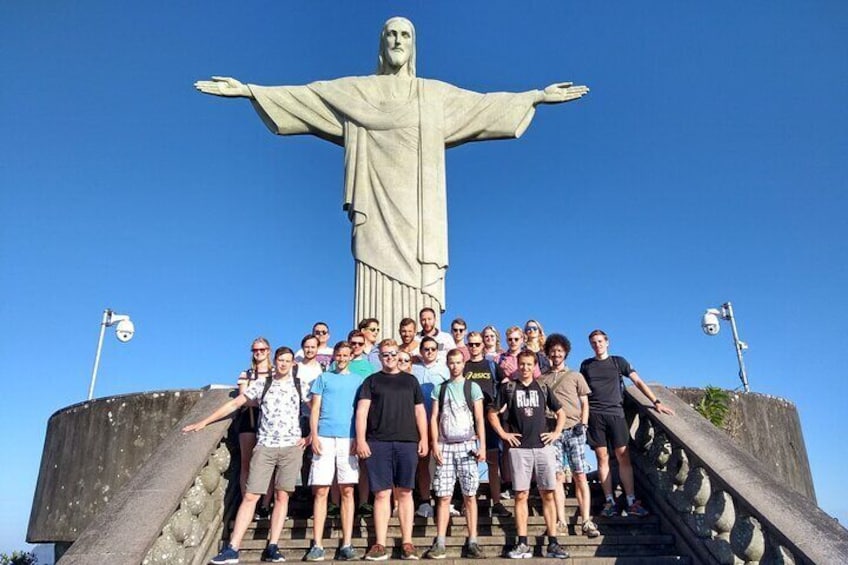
(425, 510)
(506, 494)
(453, 511)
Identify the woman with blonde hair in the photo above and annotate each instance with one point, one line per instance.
(491, 343)
(534, 340)
(260, 368)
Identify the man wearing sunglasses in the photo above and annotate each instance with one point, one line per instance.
(359, 362)
(458, 328)
(370, 328)
(427, 319)
(325, 353)
(391, 434)
(430, 372)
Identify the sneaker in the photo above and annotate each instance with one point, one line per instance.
(272, 554)
(562, 527)
(425, 510)
(262, 513)
(520, 551)
(395, 512)
(377, 553)
(365, 509)
(315, 554)
(453, 511)
(437, 551)
(636, 509)
(498, 509)
(556, 551)
(473, 551)
(610, 510)
(590, 530)
(347, 553)
(333, 510)
(506, 494)
(228, 556)
(407, 551)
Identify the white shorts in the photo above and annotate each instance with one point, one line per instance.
(335, 458)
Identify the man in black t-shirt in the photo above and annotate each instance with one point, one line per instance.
(487, 375)
(607, 425)
(391, 433)
(522, 403)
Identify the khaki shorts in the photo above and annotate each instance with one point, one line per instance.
(286, 460)
(525, 461)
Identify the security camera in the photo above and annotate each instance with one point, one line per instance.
(710, 322)
(124, 330)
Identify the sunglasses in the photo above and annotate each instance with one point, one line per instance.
(429, 349)
(259, 349)
(388, 354)
(404, 360)
(513, 339)
(475, 343)
(357, 343)
(320, 332)
(374, 330)
(531, 329)
(457, 330)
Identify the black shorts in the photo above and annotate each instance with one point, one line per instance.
(392, 463)
(605, 428)
(245, 426)
(492, 440)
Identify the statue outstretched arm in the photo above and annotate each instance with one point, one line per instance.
(223, 86)
(561, 92)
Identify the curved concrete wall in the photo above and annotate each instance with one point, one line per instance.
(768, 428)
(91, 451)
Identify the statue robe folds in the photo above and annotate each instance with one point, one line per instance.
(394, 189)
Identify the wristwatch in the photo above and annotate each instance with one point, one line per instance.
(657, 401)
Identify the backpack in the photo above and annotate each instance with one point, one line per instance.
(509, 399)
(303, 420)
(456, 425)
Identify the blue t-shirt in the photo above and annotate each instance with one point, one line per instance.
(429, 378)
(338, 400)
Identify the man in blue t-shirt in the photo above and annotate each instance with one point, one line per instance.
(332, 431)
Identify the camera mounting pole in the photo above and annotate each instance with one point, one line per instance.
(109, 319)
(738, 344)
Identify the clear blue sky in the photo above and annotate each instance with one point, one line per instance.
(707, 164)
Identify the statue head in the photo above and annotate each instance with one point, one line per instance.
(397, 48)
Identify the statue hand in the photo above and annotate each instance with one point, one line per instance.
(223, 86)
(563, 92)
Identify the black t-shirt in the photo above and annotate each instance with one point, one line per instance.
(604, 378)
(480, 372)
(391, 416)
(525, 413)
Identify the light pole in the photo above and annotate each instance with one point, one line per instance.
(711, 326)
(124, 332)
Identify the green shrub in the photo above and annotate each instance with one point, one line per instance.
(714, 406)
(18, 558)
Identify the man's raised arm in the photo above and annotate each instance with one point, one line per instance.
(223, 86)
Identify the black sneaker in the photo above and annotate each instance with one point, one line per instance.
(498, 509)
(556, 551)
(272, 554)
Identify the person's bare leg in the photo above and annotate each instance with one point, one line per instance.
(381, 515)
(442, 515)
(319, 513)
(625, 469)
(278, 516)
(603, 470)
(559, 498)
(549, 511)
(494, 475)
(581, 489)
(247, 441)
(470, 515)
(243, 518)
(346, 492)
(521, 512)
(405, 513)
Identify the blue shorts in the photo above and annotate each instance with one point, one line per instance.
(392, 464)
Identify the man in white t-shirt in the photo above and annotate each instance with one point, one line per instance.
(427, 319)
(325, 353)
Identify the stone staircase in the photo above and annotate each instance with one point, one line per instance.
(623, 540)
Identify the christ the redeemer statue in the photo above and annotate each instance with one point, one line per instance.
(394, 128)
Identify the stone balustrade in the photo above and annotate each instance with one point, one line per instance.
(726, 507)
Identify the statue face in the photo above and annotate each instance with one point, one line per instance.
(397, 44)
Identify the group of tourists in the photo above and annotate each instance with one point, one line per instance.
(376, 415)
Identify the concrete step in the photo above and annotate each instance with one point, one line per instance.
(426, 527)
(573, 560)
